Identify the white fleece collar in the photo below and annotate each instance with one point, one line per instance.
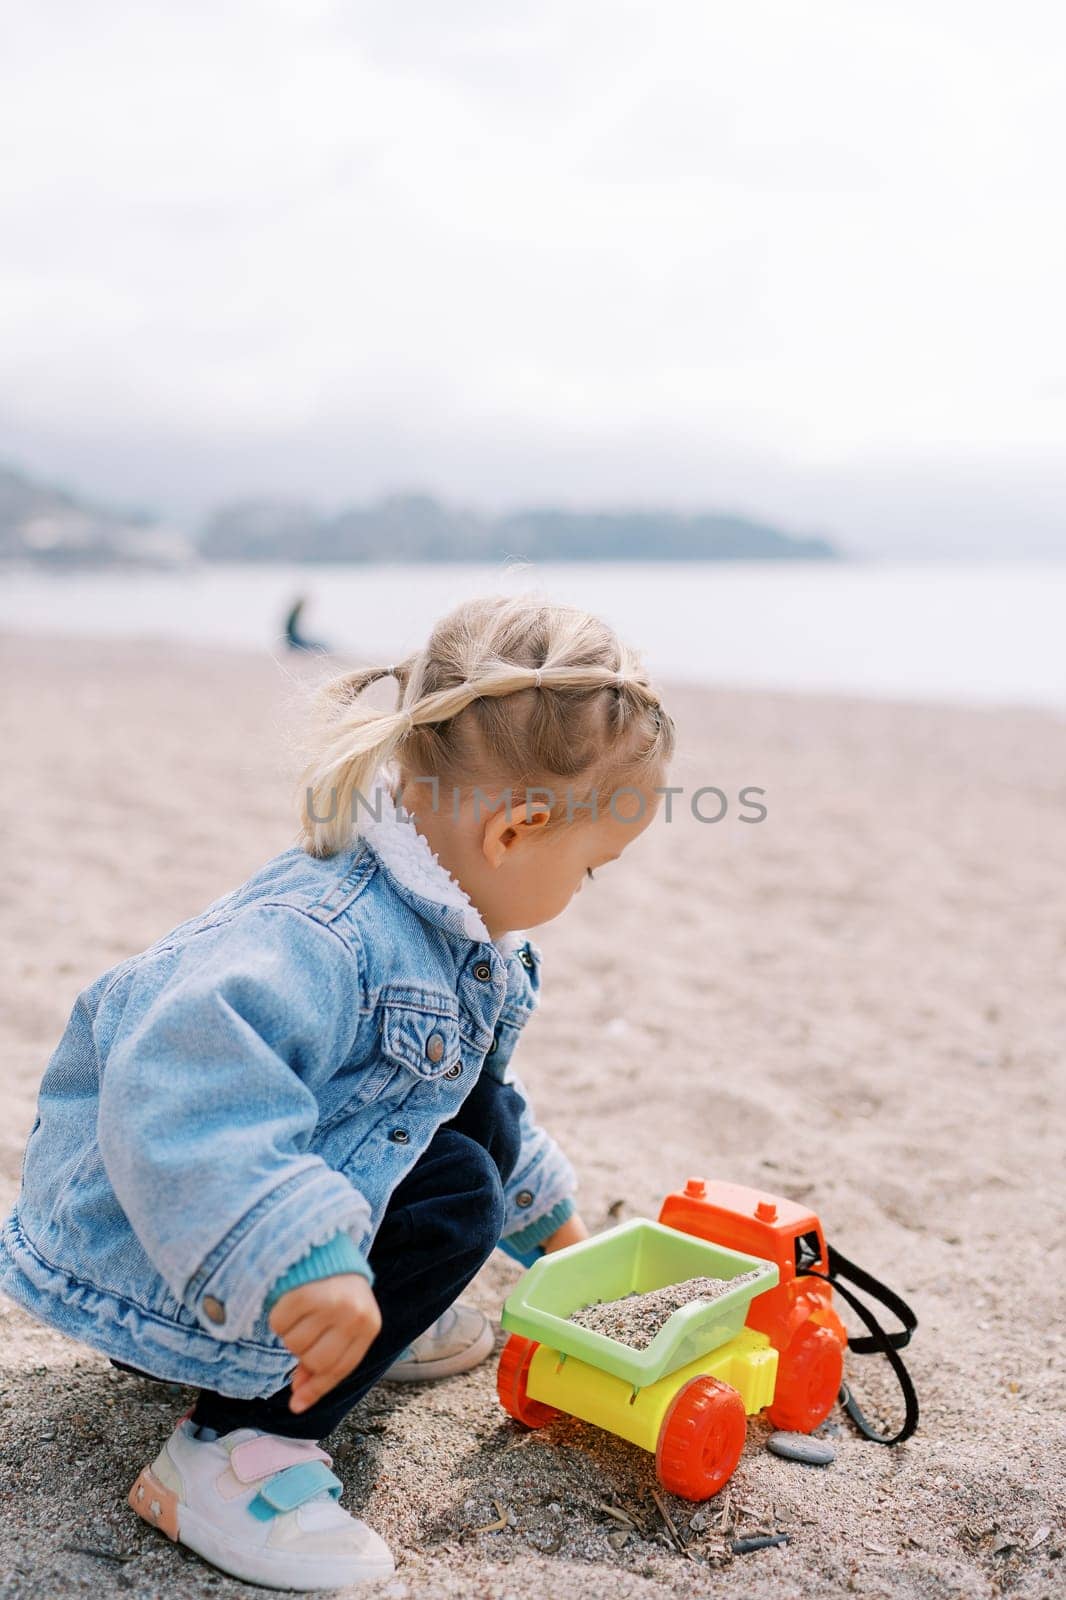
(408, 856)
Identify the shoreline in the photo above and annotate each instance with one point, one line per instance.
(340, 661)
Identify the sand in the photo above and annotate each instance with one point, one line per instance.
(635, 1319)
(858, 1003)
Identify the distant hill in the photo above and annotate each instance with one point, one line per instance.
(53, 527)
(44, 524)
(419, 528)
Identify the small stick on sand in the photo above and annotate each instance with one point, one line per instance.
(668, 1519)
(619, 1516)
(503, 1520)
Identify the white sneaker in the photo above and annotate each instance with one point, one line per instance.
(459, 1339)
(260, 1507)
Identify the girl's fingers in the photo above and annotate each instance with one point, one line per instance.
(323, 1353)
(300, 1382)
(290, 1310)
(308, 1386)
(303, 1334)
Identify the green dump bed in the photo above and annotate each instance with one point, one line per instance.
(637, 1255)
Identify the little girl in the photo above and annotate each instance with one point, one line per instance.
(272, 1149)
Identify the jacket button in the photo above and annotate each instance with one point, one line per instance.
(453, 1072)
(482, 972)
(434, 1047)
(400, 1136)
(495, 1045)
(214, 1309)
(524, 1198)
(525, 955)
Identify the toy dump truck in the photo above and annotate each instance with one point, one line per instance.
(773, 1344)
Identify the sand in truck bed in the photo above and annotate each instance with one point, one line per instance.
(634, 1319)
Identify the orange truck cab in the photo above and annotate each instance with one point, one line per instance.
(797, 1316)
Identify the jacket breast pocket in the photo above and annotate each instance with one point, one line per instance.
(416, 1045)
(420, 1036)
(417, 1038)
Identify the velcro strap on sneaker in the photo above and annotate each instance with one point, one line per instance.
(269, 1453)
(293, 1488)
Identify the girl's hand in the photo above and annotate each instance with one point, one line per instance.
(329, 1324)
(571, 1231)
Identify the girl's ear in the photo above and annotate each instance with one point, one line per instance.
(502, 835)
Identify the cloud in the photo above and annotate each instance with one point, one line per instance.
(807, 235)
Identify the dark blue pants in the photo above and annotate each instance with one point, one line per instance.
(443, 1221)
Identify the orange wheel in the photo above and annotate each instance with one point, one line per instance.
(515, 1357)
(827, 1318)
(701, 1438)
(809, 1375)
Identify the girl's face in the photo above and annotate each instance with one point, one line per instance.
(519, 876)
(537, 883)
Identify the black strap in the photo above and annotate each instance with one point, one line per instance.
(880, 1342)
(841, 1267)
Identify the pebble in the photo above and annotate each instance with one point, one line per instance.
(801, 1447)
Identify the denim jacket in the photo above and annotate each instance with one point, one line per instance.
(256, 1081)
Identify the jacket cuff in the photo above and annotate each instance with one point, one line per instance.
(337, 1255)
(525, 1245)
(305, 1210)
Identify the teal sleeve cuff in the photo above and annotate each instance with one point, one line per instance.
(338, 1254)
(525, 1245)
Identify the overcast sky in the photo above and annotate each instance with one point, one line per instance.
(804, 260)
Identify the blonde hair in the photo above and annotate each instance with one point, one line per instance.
(510, 690)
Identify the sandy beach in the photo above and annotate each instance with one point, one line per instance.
(858, 1002)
